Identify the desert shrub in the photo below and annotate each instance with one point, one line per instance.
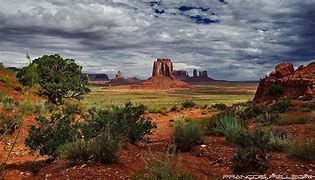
(274, 91)
(219, 106)
(288, 119)
(251, 152)
(5, 80)
(247, 111)
(156, 110)
(2, 95)
(173, 109)
(7, 103)
(27, 107)
(187, 134)
(103, 148)
(158, 167)
(9, 122)
(52, 134)
(227, 124)
(281, 106)
(265, 118)
(127, 121)
(184, 119)
(188, 104)
(50, 107)
(279, 140)
(306, 109)
(204, 112)
(303, 151)
(72, 107)
(41, 108)
(63, 130)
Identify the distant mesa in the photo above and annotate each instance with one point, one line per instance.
(102, 79)
(163, 77)
(295, 83)
(98, 78)
(198, 76)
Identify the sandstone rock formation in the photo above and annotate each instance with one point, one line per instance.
(163, 67)
(119, 79)
(162, 77)
(198, 76)
(119, 75)
(295, 83)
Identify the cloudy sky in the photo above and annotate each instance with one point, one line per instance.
(232, 39)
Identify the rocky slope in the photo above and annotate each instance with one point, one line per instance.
(9, 85)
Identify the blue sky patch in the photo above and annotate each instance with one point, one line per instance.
(188, 8)
(203, 20)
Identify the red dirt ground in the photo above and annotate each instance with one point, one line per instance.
(206, 162)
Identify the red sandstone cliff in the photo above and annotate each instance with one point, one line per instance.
(299, 82)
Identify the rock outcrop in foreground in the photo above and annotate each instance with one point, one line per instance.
(295, 83)
(162, 77)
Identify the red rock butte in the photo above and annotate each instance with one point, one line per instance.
(163, 77)
(295, 83)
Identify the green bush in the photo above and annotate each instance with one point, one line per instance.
(188, 104)
(288, 119)
(251, 152)
(281, 106)
(162, 168)
(274, 91)
(279, 140)
(219, 106)
(103, 148)
(52, 134)
(227, 124)
(303, 151)
(63, 130)
(187, 134)
(128, 122)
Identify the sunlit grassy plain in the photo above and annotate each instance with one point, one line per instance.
(205, 94)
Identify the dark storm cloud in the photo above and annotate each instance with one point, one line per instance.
(235, 40)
